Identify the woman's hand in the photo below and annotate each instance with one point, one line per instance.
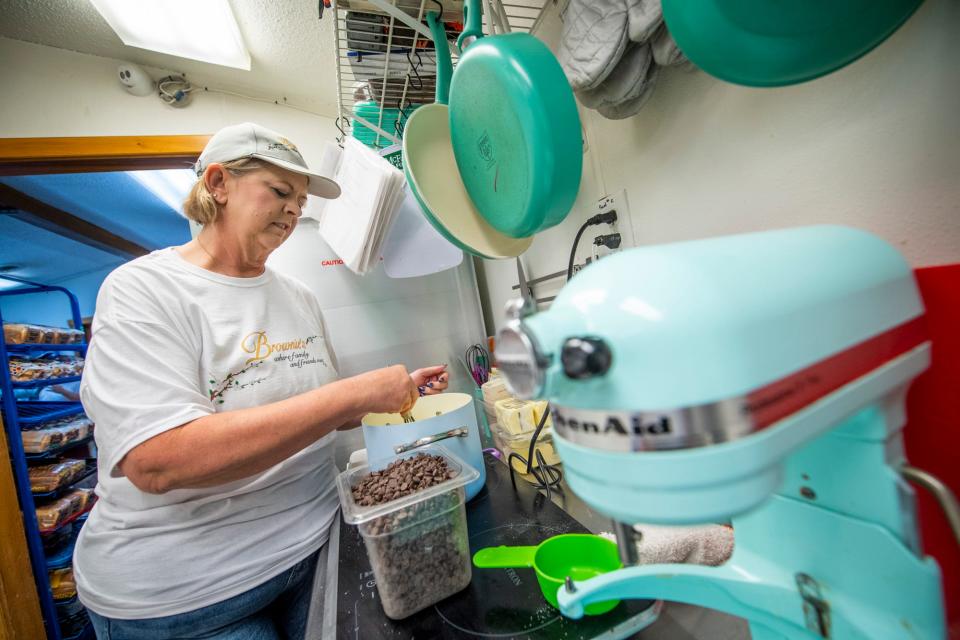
(431, 380)
(391, 389)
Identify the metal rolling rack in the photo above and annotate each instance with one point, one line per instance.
(381, 79)
(17, 414)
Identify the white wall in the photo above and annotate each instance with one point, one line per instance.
(875, 145)
(54, 92)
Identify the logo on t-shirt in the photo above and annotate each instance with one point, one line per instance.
(295, 353)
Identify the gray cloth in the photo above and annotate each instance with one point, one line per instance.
(666, 53)
(595, 36)
(643, 18)
(606, 52)
(625, 83)
(632, 107)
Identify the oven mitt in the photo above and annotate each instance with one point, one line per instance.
(632, 107)
(625, 83)
(594, 37)
(710, 544)
(643, 18)
(666, 53)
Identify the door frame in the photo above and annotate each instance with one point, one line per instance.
(84, 154)
(20, 615)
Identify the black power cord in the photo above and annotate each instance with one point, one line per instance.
(607, 217)
(610, 241)
(547, 475)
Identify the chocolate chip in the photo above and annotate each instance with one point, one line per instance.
(419, 553)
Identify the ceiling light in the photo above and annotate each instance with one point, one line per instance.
(204, 30)
(170, 185)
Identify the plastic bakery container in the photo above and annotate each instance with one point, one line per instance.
(417, 544)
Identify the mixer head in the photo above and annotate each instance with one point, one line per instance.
(691, 358)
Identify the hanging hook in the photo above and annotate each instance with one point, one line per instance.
(343, 134)
(413, 68)
(400, 121)
(439, 17)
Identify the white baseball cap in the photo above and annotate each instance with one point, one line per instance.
(250, 140)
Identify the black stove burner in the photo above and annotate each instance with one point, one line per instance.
(498, 603)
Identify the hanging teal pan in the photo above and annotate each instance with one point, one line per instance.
(432, 172)
(771, 43)
(515, 129)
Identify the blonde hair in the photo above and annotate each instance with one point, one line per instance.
(200, 205)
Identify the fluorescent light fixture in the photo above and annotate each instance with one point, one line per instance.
(170, 185)
(204, 30)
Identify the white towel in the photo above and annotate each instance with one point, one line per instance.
(356, 224)
(710, 544)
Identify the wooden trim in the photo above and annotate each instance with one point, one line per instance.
(19, 604)
(45, 216)
(30, 156)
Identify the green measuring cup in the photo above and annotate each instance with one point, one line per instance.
(578, 555)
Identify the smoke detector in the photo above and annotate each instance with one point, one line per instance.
(135, 80)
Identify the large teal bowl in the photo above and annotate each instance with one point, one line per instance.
(767, 43)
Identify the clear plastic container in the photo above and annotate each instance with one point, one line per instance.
(418, 544)
(520, 444)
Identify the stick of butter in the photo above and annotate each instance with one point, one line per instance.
(516, 416)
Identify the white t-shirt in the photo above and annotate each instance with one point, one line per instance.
(173, 342)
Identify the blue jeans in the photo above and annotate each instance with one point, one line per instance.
(277, 609)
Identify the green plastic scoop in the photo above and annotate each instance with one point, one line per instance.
(580, 556)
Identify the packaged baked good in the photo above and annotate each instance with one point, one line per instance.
(77, 428)
(49, 335)
(27, 369)
(40, 440)
(50, 515)
(71, 432)
(16, 333)
(62, 583)
(53, 513)
(85, 498)
(56, 433)
(49, 477)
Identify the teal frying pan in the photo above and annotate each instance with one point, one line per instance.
(761, 43)
(432, 171)
(515, 129)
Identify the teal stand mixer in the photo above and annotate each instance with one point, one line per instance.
(758, 379)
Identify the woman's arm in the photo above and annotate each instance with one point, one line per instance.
(232, 445)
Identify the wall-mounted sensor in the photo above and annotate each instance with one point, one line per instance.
(135, 80)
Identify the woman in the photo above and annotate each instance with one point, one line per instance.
(216, 397)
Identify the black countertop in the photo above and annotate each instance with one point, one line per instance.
(498, 603)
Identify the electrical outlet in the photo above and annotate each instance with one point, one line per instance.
(617, 201)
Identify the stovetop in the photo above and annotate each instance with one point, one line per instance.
(498, 603)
